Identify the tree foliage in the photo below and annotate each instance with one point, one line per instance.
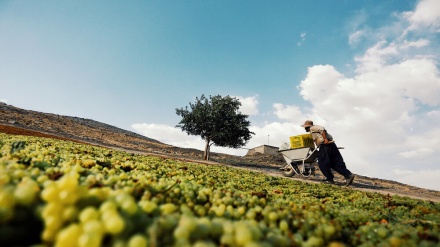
(217, 120)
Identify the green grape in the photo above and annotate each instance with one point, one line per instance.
(243, 234)
(69, 213)
(107, 206)
(95, 227)
(68, 236)
(68, 196)
(284, 226)
(88, 214)
(114, 224)
(89, 240)
(137, 240)
(50, 193)
(7, 200)
(148, 206)
(273, 216)
(53, 222)
(4, 178)
(204, 244)
(48, 235)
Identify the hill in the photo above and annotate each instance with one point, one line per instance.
(26, 122)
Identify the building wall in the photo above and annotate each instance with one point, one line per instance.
(264, 149)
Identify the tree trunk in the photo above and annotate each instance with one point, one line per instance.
(209, 152)
(206, 153)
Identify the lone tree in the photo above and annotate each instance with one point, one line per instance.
(217, 120)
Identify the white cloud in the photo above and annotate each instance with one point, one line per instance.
(249, 105)
(4, 100)
(169, 135)
(426, 15)
(420, 178)
(287, 112)
(418, 43)
(356, 37)
(302, 36)
(417, 153)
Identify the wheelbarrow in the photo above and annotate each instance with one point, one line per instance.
(300, 161)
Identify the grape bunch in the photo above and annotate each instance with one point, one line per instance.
(59, 193)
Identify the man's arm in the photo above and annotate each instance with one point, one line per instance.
(324, 135)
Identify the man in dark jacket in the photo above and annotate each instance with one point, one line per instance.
(329, 156)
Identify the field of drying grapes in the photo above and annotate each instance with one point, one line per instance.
(61, 193)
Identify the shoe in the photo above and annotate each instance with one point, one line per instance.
(349, 180)
(325, 181)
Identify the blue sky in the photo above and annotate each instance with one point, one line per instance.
(366, 70)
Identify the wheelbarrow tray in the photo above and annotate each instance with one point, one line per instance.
(299, 161)
(303, 155)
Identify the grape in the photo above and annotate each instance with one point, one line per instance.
(69, 213)
(243, 234)
(89, 240)
(137, 240)
(168, 208)
(50, 193)
(114, 224)
(48, 235)
(7, 200)
(88, 214)
(68, 236)
(148, 206)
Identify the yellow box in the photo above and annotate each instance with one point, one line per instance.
(301, 141)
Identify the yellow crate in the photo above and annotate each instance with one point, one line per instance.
(301, 141)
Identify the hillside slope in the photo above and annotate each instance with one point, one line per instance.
(15, 120)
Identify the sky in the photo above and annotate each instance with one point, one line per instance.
(368, 71)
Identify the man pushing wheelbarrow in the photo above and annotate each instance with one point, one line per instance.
(329, 156)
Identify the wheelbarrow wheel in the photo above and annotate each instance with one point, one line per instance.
(288, 172)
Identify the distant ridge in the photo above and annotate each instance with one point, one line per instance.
(67, 126)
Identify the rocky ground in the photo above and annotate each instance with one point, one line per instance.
(18, 121)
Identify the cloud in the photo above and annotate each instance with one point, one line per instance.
(417, 153)
(302, 37)
(249, 105)
(358, 29)
(356, 37)
(169, 135)
(4, 100)
(426, 15)
(286, 112)
(420, 178)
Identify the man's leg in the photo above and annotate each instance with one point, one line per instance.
(337, 161)
(324, 162)
(338, 164)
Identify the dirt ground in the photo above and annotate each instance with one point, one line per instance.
(17, 121)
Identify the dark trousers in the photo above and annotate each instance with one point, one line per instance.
(329, 158)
